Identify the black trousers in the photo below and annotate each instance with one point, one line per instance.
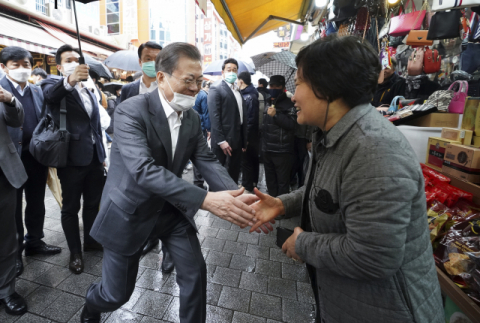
(34, 189)
(197, 177)
(119, 273)
(312, 272)
(301, 153)
(278, 168)
(77, 181)
(250, 166)
(231, 163)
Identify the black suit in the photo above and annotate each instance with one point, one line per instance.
(145, 196)
(84, 174)
(226, 126)
(129, 90)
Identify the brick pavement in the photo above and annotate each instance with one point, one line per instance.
(249, 280)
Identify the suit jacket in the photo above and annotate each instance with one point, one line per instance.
(16, 133)
(144, 175)
(79, 124)
(225, 116)
(129, 90)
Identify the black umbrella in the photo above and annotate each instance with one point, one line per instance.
(112, 87)
(97, 67)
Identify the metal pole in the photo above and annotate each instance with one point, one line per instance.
(78, 32)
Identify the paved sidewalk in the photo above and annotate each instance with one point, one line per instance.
(250, 280)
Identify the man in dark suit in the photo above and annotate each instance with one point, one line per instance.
(155, 135)
(148, 82)
(228, 117)
(16, 62)
(12, 177)
(84, 173)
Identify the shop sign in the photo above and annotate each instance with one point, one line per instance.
(130, 20)
(51, 60)
(207, 41)
(284, 44)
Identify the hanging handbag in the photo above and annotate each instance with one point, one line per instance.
(453, 4)
(415, 62)
(445, 25)
(441, 99)
(343, 30)
(49, 144)
(395, 41)
(403, 23)
(363, 21)
(457, 105)
(418, 38)
(431, 61)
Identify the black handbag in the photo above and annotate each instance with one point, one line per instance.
(49, 144)
(445, 25)
(395, 41)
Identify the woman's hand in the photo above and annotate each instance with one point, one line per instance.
(266, 210)
(288, 247)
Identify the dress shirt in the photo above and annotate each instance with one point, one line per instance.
(84, 96)
(144, 89)
(174, 121)
(18, 87)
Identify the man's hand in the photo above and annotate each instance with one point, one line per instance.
(225, 205)
(266, 210)
(227, 150)
(309, 146)
(5, 96)
(271, 111)
(288, 247)
(209, 135)
(249, 199)
(80, 74)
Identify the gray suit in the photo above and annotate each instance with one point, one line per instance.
(145, 196)
(12, 176)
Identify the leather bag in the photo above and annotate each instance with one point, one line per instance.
(457, 105)
(445, 25)
(403, 23)
(441, 99)
(418, 38)
(49, 144)
(363, 21)
(432, 61)
(453, 4)
(415, 62)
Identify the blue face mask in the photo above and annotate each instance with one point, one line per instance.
(149, 69)
(275, 93)
(230, 77)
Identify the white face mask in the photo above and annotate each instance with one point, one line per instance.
(20, 74)
(69, 68)
(180, 102)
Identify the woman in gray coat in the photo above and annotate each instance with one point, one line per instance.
(364, 233)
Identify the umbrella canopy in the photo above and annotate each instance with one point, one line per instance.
(126, 60)
(215, 68)
(97, 67)
(281, 63)
(112, 87)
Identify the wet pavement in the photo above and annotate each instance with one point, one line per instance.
(250, 280)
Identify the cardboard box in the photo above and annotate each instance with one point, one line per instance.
(476, 141)
(464, 136)
(436, 151)
(440, 120)
(462, 162)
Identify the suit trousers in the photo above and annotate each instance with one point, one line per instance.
(197, 177)
(250, 166)
(119, 273)
(278, 168)
(77, 181)
(8, 197)
(34, 189)
(231, 163)
(301, 153)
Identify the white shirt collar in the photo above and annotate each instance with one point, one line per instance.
(16, 85)
(230, 85)
(166, 106)
(142, 84)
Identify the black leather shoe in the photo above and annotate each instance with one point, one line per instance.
(149, 246)
(95, 246)
(89, 316)
(76, 263)
(19, 265)
(167, 263)
(41, 249)
(14, 304)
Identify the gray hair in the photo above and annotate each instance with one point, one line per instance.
(168, 58)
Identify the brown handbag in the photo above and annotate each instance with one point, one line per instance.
(418, 38)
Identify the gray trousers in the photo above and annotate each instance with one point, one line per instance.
(7, 275)
(119, 272)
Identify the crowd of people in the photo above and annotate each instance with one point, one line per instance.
(363, 231)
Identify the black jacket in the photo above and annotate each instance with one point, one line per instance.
(426, 89)
(383, 89)
(250, 95)
(279, 130)
(111, 105)
(129, 90)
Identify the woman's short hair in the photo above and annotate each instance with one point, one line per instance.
(340, 68)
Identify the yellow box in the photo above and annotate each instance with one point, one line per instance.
(462, 162)
(436, 119)
(462, 135)
(476, 141)
(436, 151)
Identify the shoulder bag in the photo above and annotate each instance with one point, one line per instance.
(457, 105)
(431, 61)
(415, 62)
(403, 23)
(445, 25)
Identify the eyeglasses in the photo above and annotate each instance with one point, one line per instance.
(188, 82)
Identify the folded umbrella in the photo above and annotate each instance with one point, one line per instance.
(126, 60)
(215, 68)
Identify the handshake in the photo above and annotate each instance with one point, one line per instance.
(257, 211)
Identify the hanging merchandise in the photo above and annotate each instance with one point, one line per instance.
(431, 61)
(331, 28)
(415, 62)
(342, 12)
(474, 34)
(392, 51)
(445, 25)
(441, 99)
(418, 38)
(471, 58)
(403, 23)
(403, 57)
(453, 4)
(384, 31)
(457, 105)
(344, 30)
(394, 105)
(363, 19)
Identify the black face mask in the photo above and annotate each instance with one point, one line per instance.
(275, 93)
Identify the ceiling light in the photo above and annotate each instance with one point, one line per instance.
(304, 36)
(323, 3)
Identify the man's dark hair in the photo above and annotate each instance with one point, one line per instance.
(100, 85)
(63, 49)
(41, 72)
(228, 61)
(205, 83)
(340, 68)
(277, 80)
(149, 44)
(129, 79)
(14, 53)
(245, 77)
(168, 58)
(263, 82)
(93, 75)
